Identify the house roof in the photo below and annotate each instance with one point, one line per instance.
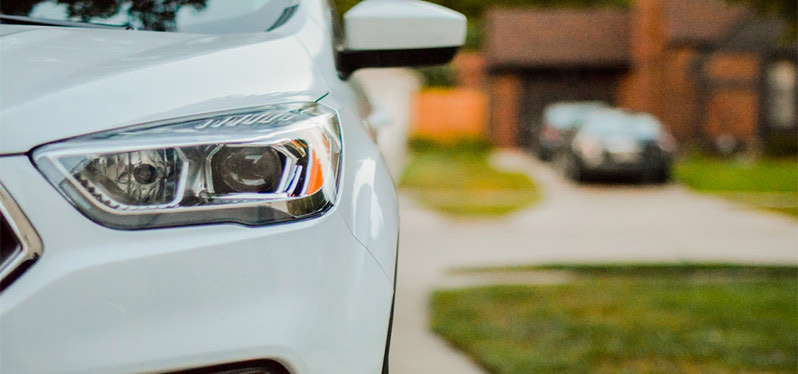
(516, 37)
(598, 37)
(702, 21)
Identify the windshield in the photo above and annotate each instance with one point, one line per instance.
(603, 124)
(199, 16)
(565, 116)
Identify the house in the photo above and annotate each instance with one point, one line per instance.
(709, 70)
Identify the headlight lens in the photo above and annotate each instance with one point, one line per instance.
(256, 166)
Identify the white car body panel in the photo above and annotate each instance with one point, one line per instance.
(183, 74)
(111, 301)
(314, 295)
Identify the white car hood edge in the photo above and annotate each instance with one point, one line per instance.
(57, 83)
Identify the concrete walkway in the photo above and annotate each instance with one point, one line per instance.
(593, 223)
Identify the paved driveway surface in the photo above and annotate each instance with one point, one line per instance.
(593, 223)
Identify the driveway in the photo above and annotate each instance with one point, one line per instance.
(592, 223)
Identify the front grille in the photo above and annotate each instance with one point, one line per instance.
(246, 367)
(9, 243)
(20, 245)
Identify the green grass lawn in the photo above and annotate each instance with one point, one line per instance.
(459, 180)
(770, 184)
(651, 319)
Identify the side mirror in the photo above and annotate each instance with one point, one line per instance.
(393, 33)
(379, 120)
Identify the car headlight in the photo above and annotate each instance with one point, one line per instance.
(254, 166)
(590, 147)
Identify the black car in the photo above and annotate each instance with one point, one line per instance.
(558, 120)
(615, 143)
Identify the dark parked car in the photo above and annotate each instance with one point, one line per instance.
(559, 119)
(614, 143)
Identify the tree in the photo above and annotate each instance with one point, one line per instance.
(786, 10)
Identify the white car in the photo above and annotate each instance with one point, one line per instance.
(201, 200)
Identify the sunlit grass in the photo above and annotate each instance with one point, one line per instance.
(769, 184)
(712, 319)
(666, 270)
(458, 180)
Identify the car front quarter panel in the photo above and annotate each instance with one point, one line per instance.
(99, 300)
(370, 208)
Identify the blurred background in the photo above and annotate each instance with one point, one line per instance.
(598, 186)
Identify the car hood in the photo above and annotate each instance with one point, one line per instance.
(57, 83)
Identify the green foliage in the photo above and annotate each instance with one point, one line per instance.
(473, 35)
(456, 178)
(661, 322)
(342, 6)
(784, 9)
(441, 76)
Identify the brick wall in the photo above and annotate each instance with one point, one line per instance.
(642, 90)
(505, 97)
(697, 94)
(679, 97)
(733, 66)
(696, 97)
(733, 102)
(733, 112)
(470, 68)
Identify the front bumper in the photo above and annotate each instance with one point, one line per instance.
(305, 294)
(647, 161)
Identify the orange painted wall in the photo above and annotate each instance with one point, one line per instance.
(449, 114)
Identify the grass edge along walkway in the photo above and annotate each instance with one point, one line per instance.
(656, 318)
(767, 184)
(458, 180)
